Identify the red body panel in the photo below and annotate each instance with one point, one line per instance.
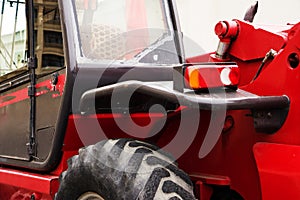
(42, 186)
(278, 167)
(258, 39)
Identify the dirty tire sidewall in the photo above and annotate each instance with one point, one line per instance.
(124, 169)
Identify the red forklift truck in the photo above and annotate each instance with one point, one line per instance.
(98, 100)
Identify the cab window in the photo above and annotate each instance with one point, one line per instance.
(13, 38)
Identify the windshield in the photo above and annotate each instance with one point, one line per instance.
(124, 29)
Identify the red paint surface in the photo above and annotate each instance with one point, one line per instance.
(279, 170)
(44, 184)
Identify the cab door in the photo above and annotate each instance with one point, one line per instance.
(14, 80)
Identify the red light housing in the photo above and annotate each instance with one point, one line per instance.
(211, 76)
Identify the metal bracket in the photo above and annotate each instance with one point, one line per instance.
(269, 121)
(178, 80)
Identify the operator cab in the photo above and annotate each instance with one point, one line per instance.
(101, 42)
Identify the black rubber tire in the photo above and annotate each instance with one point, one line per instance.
(124, 169)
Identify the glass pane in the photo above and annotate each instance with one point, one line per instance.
(13, 36)
(48, 37)
(120, 29)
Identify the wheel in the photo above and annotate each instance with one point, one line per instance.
(123, 169)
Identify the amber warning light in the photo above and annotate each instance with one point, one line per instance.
(211, 76)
